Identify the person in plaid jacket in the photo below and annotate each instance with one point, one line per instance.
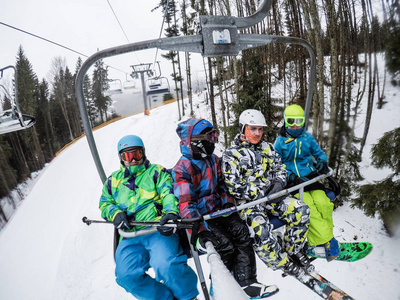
(199, 186)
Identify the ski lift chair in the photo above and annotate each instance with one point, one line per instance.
(219, 36)
(115, 87)
(129, 84)
(158, 85)
(12, 119)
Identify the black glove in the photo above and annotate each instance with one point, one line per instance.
(165, 230)
(300, 180)
(277, 187)
(293, 179)
(121, 221)
(202, 238)
(322, 167)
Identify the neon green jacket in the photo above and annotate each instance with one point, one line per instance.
(144, 192)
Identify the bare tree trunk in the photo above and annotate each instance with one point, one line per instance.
(372, 81)
(212, 95)
(220, 80)
(65, 114)
(189, 82)
(19, 154)
(334, 70)
(314, 27)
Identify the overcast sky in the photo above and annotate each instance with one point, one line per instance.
(82, 25)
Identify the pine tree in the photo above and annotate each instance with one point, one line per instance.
(26, 141)
(100, 85)
(43, 122)
(383, 197)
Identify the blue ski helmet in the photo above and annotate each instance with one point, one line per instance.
(130, 141)
(200, 126)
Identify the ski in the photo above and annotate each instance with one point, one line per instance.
(349, 252)
(321, 286)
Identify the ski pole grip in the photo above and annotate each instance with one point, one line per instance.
(86, 221)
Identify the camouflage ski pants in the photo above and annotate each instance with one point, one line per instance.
(296, 216)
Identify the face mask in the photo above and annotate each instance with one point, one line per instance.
(250, 138)
(295, 132)
(202, 149)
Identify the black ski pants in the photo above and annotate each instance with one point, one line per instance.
(235, 246)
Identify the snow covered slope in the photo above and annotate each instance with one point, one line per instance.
(47, 253)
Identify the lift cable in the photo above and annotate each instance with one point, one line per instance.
(57, 44)
(118, 21)
(120, 25)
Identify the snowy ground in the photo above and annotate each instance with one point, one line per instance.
(47, 253)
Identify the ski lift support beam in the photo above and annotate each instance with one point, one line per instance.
(142, 69)
(219, 37)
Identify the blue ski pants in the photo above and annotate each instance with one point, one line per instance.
(173, 277)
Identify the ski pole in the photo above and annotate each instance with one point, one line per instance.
(269, 198)
(199, 268)
(180, 223)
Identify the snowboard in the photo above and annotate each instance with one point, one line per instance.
(348, 251)
(320, 285)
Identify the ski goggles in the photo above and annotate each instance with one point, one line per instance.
(211, 136)
(298, 121)
(132, 154)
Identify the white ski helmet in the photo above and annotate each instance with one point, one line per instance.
(251, 117)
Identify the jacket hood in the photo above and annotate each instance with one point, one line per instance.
(184, 131)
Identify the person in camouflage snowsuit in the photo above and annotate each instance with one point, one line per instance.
(252, 170)
(143, 191)
(198, 183)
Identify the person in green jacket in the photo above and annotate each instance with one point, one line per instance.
(143, 191)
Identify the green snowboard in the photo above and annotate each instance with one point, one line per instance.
(348, 251)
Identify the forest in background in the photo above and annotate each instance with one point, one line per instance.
(342, 31)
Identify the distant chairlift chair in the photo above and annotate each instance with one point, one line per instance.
(12, 119)
(130, 85)
(156, 87)
(115, 87)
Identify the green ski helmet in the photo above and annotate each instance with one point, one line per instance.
(294, 115)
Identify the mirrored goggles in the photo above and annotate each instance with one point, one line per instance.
(211, 136)
(132, 154)
(298, 121)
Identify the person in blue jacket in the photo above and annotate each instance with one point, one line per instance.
(200, 188)
(298, 148)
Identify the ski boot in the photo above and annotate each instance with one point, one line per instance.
(258, 290)
(331, 249)
(291, 268)
(301, 258)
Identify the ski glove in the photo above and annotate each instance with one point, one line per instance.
(277, 187)
(322, 167)
(121, 221)
(203, 237)
(295, 180)
(165, 230)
